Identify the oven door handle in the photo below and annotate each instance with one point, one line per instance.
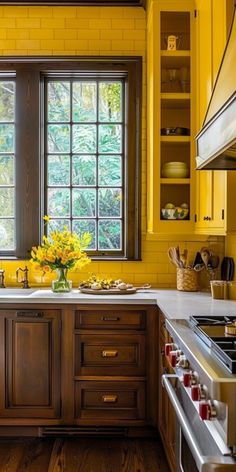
(183, 420)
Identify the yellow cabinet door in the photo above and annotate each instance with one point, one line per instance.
(211, 185)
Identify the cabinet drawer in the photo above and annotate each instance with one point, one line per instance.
(119, 354)
(110, 319)
(110, 400)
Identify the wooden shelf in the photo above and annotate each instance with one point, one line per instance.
(175, 100)
(167, 181)
(175, 139)
(178, 53)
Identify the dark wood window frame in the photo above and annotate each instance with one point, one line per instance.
(29, 205)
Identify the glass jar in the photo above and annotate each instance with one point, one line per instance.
(61, 284)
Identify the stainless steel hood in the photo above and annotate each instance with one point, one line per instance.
(216, 142)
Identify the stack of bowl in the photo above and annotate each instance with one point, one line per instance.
(175, 170)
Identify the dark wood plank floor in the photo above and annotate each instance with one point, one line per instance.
(82, 455)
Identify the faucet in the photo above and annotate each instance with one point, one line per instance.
(2, 285)
(24, 279)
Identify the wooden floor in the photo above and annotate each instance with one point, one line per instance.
(82, 455)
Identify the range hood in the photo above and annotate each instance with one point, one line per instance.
(216, 142)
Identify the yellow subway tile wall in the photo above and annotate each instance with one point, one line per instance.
(94, 31)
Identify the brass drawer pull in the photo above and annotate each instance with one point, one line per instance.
(109, 398)
(110, 318)
(109, 353)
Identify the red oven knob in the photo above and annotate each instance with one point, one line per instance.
(169, 347)
(204, 410)
(197, 392)
(207, 410)
(173, 357)
(187, 378)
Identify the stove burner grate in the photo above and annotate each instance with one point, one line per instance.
(212, 333)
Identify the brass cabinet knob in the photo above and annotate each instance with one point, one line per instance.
(109, 398)
(110, 353)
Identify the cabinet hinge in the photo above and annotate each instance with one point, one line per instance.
(223, 214)
(195, 13)
(195, 218)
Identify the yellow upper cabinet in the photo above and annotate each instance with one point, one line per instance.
(213, 188)
(171, 116)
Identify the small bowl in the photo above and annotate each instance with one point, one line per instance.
(175, 164)
(174, 213)
(175, 172)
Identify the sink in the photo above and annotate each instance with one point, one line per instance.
(16, 292)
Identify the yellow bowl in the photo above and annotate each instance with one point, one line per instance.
(175, 172)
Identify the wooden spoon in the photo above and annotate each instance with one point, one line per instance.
(205, 255)
(213, 261)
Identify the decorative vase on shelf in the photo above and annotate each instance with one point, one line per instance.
(61, 284)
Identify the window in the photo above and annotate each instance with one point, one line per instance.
(7, 160)
(70, 144)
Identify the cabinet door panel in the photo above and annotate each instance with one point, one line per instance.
(28, 361)
(32, 360)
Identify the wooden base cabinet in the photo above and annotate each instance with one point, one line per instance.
(30, 363)
(66, 368)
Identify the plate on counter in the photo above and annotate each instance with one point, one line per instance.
(114, 291)
(109, 291)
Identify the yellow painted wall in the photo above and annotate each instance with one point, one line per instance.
(94, 31)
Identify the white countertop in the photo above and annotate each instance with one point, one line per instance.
(173, 303)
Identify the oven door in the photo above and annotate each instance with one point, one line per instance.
(196, 449)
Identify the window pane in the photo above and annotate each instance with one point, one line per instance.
(7, 101)
(109, 170)
(59, 101)
(86, 226)
(109, 202)
(6, 170)
(84, 101)
(57, 225)
(7, 234)
(6, 201)
(83, 202)
(58, 138)
(109, 138)
(7, 138)
(84, 138)
(87, 159)
(109, 234)
(84, 170)
(59, 202)
(110, 101)
(59, 170)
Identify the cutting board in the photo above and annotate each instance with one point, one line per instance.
(111, 291)
(114, 291)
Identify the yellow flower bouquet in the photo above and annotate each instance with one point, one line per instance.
(62, 251)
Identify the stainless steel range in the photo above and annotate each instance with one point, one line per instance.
(203, 392)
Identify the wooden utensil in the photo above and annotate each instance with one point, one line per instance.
(173, 254)
(205, 255)
(184, 257)
(213, 261)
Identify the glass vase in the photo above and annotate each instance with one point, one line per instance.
(61, 284)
